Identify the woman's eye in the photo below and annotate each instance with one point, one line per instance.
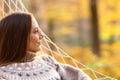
(36, 30)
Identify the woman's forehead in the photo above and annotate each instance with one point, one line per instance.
(34, 22)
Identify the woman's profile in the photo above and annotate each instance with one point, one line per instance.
(20, 39)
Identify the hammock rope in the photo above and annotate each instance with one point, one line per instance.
(10, 6)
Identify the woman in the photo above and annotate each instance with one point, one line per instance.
(20, 38)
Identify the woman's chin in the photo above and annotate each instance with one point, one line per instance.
(38, 49)
(35, 49)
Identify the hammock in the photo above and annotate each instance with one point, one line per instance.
(10, 6)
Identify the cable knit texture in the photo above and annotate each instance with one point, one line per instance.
(42, 68)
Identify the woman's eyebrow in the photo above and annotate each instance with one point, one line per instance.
(36, 28)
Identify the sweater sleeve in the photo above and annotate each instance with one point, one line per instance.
(69, 72)
(66, 71)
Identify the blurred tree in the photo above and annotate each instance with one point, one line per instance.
(50, 32)
(95, 43)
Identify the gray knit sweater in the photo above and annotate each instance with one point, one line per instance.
(42, 68)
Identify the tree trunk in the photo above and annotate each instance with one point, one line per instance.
(95, 43)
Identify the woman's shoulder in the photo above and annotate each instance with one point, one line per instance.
(24, 66)
(38, 68)
(49, 60)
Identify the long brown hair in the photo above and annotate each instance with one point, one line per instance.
(14, 31)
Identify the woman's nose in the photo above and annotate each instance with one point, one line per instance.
(41, 35)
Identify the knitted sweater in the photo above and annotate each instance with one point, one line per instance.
(42, 68)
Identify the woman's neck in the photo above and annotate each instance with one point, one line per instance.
(29, 57)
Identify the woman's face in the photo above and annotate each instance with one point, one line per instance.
(35, 37)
